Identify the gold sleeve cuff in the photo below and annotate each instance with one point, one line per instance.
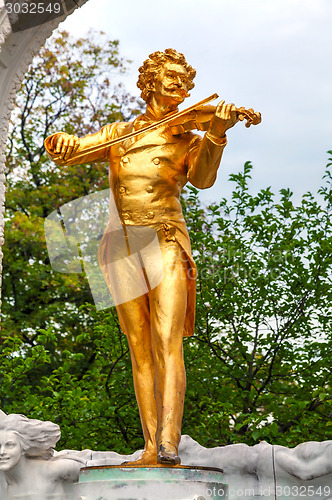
(218, 141)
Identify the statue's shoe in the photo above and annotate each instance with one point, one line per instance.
(168, 455)
(146, 458)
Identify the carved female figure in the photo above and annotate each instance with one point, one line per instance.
(27, 461)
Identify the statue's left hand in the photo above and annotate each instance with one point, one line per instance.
(65, 145)
(225, 117)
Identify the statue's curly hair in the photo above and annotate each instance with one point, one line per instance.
(152, 65)
(36, 437)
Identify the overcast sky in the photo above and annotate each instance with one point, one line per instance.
(272, 55)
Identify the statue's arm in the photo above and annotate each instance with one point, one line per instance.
(66, 149)
(205, 155)
(307, 460)
(66, 469)
(203, 161)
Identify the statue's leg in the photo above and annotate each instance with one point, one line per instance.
(134, 318)
(168, 302)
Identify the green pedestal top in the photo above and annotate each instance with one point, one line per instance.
(150, 483)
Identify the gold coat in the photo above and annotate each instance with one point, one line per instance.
(146, 176)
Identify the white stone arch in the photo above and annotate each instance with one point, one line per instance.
(16, 53)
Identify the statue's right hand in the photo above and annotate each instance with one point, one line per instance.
(66, 145)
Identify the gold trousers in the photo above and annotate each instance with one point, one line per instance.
(154, 324)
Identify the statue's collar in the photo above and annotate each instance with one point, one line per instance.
(149, 114)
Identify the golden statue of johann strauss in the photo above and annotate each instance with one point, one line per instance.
(147, 173)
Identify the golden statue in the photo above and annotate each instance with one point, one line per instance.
(151, 160)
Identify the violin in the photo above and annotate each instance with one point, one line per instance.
(199, 119)
(196, 117)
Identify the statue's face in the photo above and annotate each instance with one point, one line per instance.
(10, 450)
(171, 83)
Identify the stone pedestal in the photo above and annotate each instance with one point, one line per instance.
(150, 483)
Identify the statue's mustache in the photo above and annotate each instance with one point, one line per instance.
(182, 91)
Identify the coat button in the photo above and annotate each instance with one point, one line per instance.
(149, 215)
(149, 189)
(156, 161)
(122, 190)
(126, 216)
(125, 159)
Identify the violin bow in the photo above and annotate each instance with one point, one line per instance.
(154, 125)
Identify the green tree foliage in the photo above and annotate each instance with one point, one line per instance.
(71, 86)
(258, 366)
(263, 316)
(74, 86)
